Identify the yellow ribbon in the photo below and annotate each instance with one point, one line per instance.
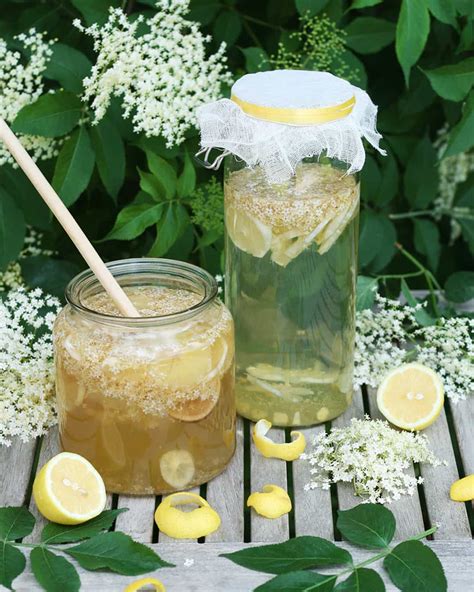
(300, 116)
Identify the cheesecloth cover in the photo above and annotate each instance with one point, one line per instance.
(275, 119)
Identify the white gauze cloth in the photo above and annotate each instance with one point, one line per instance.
(279, 147)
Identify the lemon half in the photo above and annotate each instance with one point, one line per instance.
(68, 490)
(411, 396)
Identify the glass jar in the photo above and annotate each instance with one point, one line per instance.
(150, 400)
(291, 257)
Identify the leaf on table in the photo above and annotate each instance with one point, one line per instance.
(74, 167)
(164, 173)
(118, 552)
(427, 240)
(109, 154)
(295, 554)
(12, 564)
(52, 115)
(459, 286)
(413, 27)
(68, 66)
(461, 137)
(54, 573)
(53, 534)
(365, 292)
(454, 81)
(367, 34)
(367, 525)
(16, 522)
(362, 580)
(12, 229)
(133, 220)
(299, 581)
(414, 566)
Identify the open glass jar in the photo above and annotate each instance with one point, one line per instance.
(150, 400)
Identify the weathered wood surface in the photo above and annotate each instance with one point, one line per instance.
(211, 573)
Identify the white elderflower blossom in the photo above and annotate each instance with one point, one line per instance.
(161, 76)
(27, 400)
(372, 456)
(21, 84)
(448, 348)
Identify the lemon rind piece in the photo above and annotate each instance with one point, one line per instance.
(186, 525)
(288, 451)
(272, 502)
(139, 584)
(462, 490)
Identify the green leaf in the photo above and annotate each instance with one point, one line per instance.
(12, 229)
(133, 220)
(187, 180)
(118, 552)
(356, 68)
(95, 11)
(359, 4)
(421, 315)
(370, 179)
(54, 573)
(295, 554)
(413, 27)
(299, 581)
(414, 566)
(16, 522)
(256, 59)
(310, 7)
(52, 115)
(459, 286)
(164, 172)
(150, 185)
(362, 580)
(110, 155)
(461, 137)
(51, 275)
(388, 187)
(204, 11)
(444, 11)
(421, 175)
(377, 238)
(366, 290)
(452, 82)
(12, 564)
(227, 27)
(74, 166)
(169, 228)
(367, 34)
(427, 240)
(35, 211)
(54, 534)
(367, 525)
(69, 67)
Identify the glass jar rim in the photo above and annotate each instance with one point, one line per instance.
(143, 265)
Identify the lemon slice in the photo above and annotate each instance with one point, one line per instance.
(272, 502)
(247, 232)
(139, 584)
(192, 409)
(411, 396)
(463, 489)
(186, 525)
(177, 468)
(267, 372)
(68, 490)
(336, 227)
(270, 449)
(185, 370)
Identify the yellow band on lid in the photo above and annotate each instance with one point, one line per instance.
(298, 116)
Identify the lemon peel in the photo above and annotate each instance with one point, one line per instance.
(186, 525)
(269, 449)
(462, 490)
(271, 502)
(139, 584)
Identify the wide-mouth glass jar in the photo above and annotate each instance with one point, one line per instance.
(149, 400)
(291, 257)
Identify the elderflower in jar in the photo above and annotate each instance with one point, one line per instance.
(293, 145)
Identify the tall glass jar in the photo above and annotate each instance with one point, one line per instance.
(150, 400)
(291, 257)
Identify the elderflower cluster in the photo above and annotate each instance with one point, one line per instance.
(372, 456)
(162, 76)
(27, 401)
(21, 83)
(448, 348)
(381, 335)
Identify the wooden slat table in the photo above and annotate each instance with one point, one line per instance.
(451, 437)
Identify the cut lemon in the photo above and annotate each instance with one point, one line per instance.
(272, 502)
(192, 409)
(270, 449)
(411, 396)
(139, 584)
(177, 468)
(247, 232)
(68, 490)
(463, 489)
(336, 227)
(186, 525)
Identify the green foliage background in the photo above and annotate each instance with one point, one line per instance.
(134, 197)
